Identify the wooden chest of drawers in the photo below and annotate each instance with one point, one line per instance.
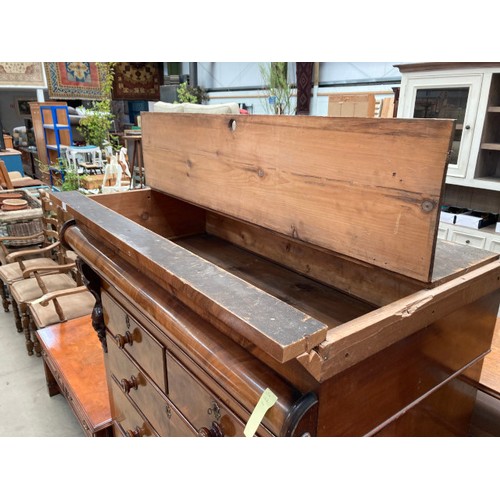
(229, 302)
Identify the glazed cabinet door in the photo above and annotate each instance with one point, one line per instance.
(446, 96)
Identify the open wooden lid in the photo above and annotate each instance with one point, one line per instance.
(367, 188)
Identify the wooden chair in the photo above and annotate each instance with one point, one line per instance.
(21, 229)
(10, 181)
(35, 284)
(58, 307)
(48, 255)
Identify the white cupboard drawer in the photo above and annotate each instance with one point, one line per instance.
(494, 246)
(468, 239)
(443, 233)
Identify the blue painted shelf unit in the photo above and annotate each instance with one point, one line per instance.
(57, 131)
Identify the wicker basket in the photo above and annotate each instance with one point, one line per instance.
(24, 222)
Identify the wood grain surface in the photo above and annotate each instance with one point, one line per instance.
(76, 353)
(280, 329)
(490, 375)
(366, 188)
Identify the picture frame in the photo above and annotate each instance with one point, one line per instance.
(23, 107)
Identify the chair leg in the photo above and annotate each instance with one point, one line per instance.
(5, 297)
(27, 332)
(36, 344)
(17, 316)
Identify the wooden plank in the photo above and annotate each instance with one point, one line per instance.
(359, 339)
(366, 188)
(453, 259)
(364, 281)
(155, 211)
(359, 104)
(387, 110)
(280, 329)
(490, 146)
(319, 301)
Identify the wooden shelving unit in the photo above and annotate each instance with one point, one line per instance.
(57, 131)
(488, 166)
(36, 118)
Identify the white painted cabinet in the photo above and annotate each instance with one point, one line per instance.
(485, 238)
(470, 94)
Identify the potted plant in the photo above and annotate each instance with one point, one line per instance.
(97, 120)
(275, 77)
(195, 95)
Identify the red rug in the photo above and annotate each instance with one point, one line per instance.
(73, 80)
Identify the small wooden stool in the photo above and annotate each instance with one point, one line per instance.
(74, 366)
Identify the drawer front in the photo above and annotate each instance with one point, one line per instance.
(443, 233)
(162, 414)
(468, 239)
(208, 415)
(118, 430)
(495, 246)
(125, 416)
(142, 346)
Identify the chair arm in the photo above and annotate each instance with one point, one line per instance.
(14, 256)
(61, 268)
(21, 238)
(45, 299)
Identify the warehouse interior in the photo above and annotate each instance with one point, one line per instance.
(249, 249)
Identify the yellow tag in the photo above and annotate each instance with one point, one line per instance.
(265, 402)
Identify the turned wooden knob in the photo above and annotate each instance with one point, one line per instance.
(124, 339)
(214, 431)
(129, 384)
(135, 433)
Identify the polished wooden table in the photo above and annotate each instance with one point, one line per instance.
(74, 366)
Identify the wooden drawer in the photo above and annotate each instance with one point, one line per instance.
(206, 413)
(156, 407)
(135, 340)
(128, 420)
(468, 239)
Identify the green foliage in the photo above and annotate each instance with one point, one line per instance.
(71, 181)
(43, 167)
(95, 125)
(195, 95)
(275, 80)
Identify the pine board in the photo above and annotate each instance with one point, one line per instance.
(366, 188)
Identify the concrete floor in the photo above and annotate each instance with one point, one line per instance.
(26, 410)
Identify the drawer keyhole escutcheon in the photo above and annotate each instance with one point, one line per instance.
(214, 410)
(168, 409)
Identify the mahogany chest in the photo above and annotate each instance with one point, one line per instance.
(282, 276)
